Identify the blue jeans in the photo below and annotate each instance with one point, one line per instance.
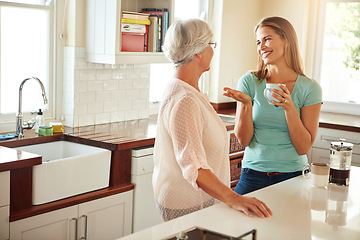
(251, 180)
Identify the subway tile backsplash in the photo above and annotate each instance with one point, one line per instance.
(102, 93)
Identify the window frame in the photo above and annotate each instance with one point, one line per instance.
(56, 10)
(329, 106)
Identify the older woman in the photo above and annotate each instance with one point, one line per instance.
(191, 148)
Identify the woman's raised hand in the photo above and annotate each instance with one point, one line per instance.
(237, 95)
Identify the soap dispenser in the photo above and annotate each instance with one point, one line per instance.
(40, 121)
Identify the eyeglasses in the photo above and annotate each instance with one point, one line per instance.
(213, 44)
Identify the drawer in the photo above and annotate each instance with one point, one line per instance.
(142, 165)
(326, 135)
(142, 151)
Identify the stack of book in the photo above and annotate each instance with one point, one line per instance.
(134, 31)
(159, 18)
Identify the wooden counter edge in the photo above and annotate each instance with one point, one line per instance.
(29, 162)
(67, 202)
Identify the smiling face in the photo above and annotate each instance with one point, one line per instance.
(270, 46)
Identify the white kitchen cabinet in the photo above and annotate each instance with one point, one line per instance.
(145, 212)
(59, 224)
(4, 188)
(321, 148)
(4, 222)
(105, 218)
(4, 204)
(103, 35)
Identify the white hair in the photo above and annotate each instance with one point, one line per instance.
(185, 38)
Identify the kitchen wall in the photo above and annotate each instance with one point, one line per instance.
(233, 23)
(97, 93)
(100, 93)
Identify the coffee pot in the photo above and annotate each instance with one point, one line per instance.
(340, 162)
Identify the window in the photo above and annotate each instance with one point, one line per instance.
(338, 66)
(26, 49)
(160, 73)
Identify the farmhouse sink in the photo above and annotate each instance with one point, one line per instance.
(67, 169)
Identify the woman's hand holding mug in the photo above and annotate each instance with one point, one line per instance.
(268, 91)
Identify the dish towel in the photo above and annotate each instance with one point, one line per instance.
(7, 136)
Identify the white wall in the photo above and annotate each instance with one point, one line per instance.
(236, 53)
(232, 22)
(75, 23)
(98, 93)
(234, 25)
(102, 93)
(296, 11)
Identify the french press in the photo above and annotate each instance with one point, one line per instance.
(340, 162)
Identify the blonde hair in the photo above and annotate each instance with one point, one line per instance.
(185, 38)
(286, 31)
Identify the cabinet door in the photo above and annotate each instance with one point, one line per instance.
(59, 224)
(4, 188)
(4, 204)
(145, 213)
(106, 218)
(4, 222)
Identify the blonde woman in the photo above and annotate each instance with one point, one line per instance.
(277, 136)
(191, 154)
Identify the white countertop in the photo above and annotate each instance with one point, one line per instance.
(300, 211)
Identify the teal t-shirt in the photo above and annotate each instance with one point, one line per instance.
(271, 149)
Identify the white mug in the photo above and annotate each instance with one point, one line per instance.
(269, 90)
(319, 174)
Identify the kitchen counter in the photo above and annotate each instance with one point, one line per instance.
(118, 137)
(114, 136)
(12, 159)
(138, 133)
(327, 120)
(300, 211)
(340, 121)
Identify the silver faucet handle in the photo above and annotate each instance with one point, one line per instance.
(30, 124)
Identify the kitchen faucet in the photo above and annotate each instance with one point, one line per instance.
(19, 115)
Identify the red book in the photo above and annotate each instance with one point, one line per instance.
(146, 39)
(132, 42)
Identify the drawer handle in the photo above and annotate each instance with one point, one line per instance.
(332, 139)
(76, 226)
(86, 219)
